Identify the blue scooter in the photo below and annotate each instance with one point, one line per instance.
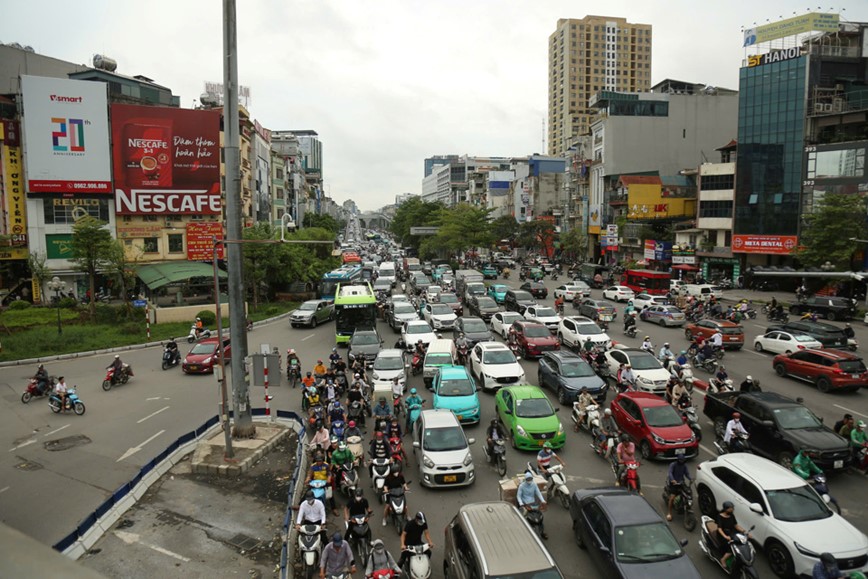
(72, 402)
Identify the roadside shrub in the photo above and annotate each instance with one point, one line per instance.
(106, 314)
(208, 317)
(19, 305)
(69, 303)
(135, 315)
(133, 329)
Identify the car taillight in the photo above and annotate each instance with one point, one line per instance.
(800, 347)
(837, 370)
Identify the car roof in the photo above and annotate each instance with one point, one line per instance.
(529, 323)
(581, 319)
(492, 346)
(564, 356)
(834, 354)
(626, 508)
(416, 323)
(644, 399)
(439, 417)
(523, 391)
(766, 474)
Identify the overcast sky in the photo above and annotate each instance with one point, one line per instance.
(387, 83)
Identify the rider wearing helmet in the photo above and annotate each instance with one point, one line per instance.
(629, 320)
(334, 356)
(394, 480)
(678, 472)
(494, 432)
(357, 506)
(380, 559)
(199, 327)
(291, 356)
(413, 402)
(544, 458)
(733, 428)
(727, 526)
(412, 535)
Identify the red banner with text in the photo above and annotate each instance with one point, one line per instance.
(200, 241)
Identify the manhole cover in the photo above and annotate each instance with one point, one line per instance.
(28, 465)
(244, 542)
(67, 443)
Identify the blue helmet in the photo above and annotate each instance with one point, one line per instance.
(412, 390)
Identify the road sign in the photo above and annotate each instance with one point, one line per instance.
(424, 230)
(612, 230)
(139, 303)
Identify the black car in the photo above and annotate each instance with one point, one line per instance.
(483, 307)
(566, 373)
(517, 301)
(625, 536)
(535, 288)
(475, 330)
(453, 302)
(829, 307)
(593, 308)
(827, 334)
(420, 282)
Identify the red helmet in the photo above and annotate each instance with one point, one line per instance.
(352, 423)
(379, 434)
(736, 415)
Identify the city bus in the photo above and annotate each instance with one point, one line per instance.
(329, 282)
(655, 283)
(355, 307)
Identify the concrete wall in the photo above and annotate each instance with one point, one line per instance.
(188, 313)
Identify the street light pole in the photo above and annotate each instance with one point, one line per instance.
(57, 286)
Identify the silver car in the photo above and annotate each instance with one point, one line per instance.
(311, 313)
(663, 315)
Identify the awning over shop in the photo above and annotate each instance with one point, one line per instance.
(683, 267)
(156, 275)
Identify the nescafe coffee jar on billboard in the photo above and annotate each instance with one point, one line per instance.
(147, 153)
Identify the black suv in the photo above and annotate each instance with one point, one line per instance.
(483, 307)
(827, 334)
(831, 308)
(517, 301)
(475, 330)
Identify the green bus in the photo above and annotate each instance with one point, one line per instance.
(355, 308)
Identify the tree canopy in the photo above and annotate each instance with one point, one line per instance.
(827, 232)
(91, 251)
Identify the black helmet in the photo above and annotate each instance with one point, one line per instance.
(395, 468)
(494, 421)
(308, 495)
(359, 493)
(318, 424)
(728, 505)
(828, 559)
(625, 438)
(420, 517)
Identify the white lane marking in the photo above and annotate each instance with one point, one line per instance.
(131, 538)
(55, 431)
(154, 398)
(136, 449)
(152, 414)
(4, 489)
(850, 411)
(23, 444)
(708, 450)
(308, 337)
(762, 355)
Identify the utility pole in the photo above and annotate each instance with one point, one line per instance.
(244, 427)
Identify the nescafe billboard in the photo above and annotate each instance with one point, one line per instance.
(166, 160)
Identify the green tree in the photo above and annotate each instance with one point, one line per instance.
(414, 213)
(826, 233)
(463, 227)
(536, 235)
(39, 271)
(322, 221)
(504, 227)
(90, 247)
(574, 244)
(121, 268)
(261, 259)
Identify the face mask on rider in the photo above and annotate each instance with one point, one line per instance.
(311, 501)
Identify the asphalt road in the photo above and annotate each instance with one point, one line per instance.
(129, 425)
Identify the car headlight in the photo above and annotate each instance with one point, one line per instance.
(427, 461)
(468, 460)
(207, 360)
(805, 551)
(560, 428)
(645, 380)
(375, 375)
(657, 439)
(520, 430)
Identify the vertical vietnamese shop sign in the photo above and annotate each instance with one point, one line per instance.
(13, 183)
(66, 136)
(166, 160)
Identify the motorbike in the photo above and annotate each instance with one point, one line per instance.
(499, 458)
(397, 404)
(683, 503)
(310, 548)
(321, 490)
(630, 477)
(337, 428)
(413, 412)
(603, 321)
(359, 530)
(379, 474)
(34, 391)
(818, 482)
(554, 276)
(592, 412)
(171, 357)
(740, 442)
(356, 412)
(852, 344)
(398, 508)
(354, 444)
(534, 517)
(192, 337)
(418, 565)
(690, 417)
(743, 552)
(631, 331)
(113, 378)
(72, 402)
(349, 479)
(462, 355)
(708, 364)
(293, 373)
(775, 316)
(715, 385)
(416, 364)
(557, 487)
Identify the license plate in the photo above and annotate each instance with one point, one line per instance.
(192, 367)
(460, 416)
(732, 339)
(450, 478)
(838, 464)
(540, 442)
(854, 375)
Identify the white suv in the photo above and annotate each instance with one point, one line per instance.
(574, 331)
(440, 316)
(416, 330)
(388, 364)
(544, 315)
(494, 365)
(446, 460)
(791, 522)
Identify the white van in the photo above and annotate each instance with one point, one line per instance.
(441, 352)
(701, 291)
(386, 271)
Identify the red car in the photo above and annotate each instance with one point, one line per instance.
(204, 356)
(733, 334)
(654, 425)
(534, 339)
(828, 369)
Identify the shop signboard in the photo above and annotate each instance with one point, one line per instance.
(166, 160)
(764, 244)
(200, 241)
(650, 245)
(58, 245)
(13, 186)
(66, 136)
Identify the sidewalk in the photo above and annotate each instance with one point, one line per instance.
(736, 295)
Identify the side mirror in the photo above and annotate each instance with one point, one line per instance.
(684, 542)
(416, 444)
(471, 441)
(768, 423)
(755, 507)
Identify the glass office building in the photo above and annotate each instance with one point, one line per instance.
(771, 133)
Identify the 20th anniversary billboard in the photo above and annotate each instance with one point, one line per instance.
(66, 136)
(166, 160)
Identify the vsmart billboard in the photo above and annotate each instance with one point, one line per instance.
(66, 138)
(166, 160)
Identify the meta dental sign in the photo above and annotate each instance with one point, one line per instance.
(156, 202)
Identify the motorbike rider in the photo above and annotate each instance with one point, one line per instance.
(494, 432)
(609, 429)
(319, 370)
(733, 428)
(629, 309)
(665, 355)
(337, 558)
(117, 366)
(172, 348)
(412, 536)
(559, 304)
(200, 325)
(380, 559)
(845, 426)
(679, 393)
(804, 466)
(721, 375)
(319, 470)
(544, 459)
(717, 341)
(393, 429)
(848, 331)
(858, 437)
(308, 380)
(330, 391)
(528, 495)
(647, 346)
(343, 455)
(748, 384)
(320, 440)
(727, 526)
(42, 379)
(311, 512)
(352, 430)
(682, 359)
(626, 452)
(827, 568)
(379, 448)
(411, 402)
(334, 357)
(678, 471)
(290, 356)
(629, 321)
(337, 412)
(357, 506)
(381, 411)
(583, 401)
(61, 390)
(706, 352)
(394, 480)
(626, 378)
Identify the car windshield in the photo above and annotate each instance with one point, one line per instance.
(662, 416)
(308, 306)
(438, 359)
(382, 283)
(577, 369)
(537, 332)
(588, 329)
(448, 299)
(388, 363)
(462, 387)
(804, 338)
(443, 439)
(441, 310)
(404, 308)
(522, 296)
(475, 326)
(646, 543)
(533, 408)
(796, 417)
(500, 289)
(797, 504)
(545, 313)
(544, 574)
(365, 339)
(434, 289)
(498, 357)
(644, 362)
(204, 349)
(418, 329)
(486, 303)
(510, 317)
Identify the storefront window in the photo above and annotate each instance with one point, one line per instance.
(151, 245)
(176, 243)
(59, 211)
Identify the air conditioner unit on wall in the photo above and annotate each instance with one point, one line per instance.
(837, 105)
(827, 107)
(818, 107)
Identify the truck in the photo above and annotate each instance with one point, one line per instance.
(411, 265)
(779, 427)
(465, 276)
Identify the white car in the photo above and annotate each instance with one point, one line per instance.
(432, 294)
(544, 315)
(644, 300)
(618, 293)
(574, 331)
(650, 374)
(779, 342)
(442, 450)
(501, 321)
(388, 364)
(494, 365)
(790, 521)
(570, 291)
(400, 298)
(416, 330)
(440, 316)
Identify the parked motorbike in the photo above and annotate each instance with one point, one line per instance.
(743, 552)
(73, 402)
(113, 378)
(398, 508)
(359, 530)
(34, 391)
(683, 503)
(310, 548)
(499, 459)
(818, 481)
(192, 337)
(171, 357)
(418, 566)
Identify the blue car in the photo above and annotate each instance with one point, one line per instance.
(489, 272)
(497, 291)
(455, 390)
